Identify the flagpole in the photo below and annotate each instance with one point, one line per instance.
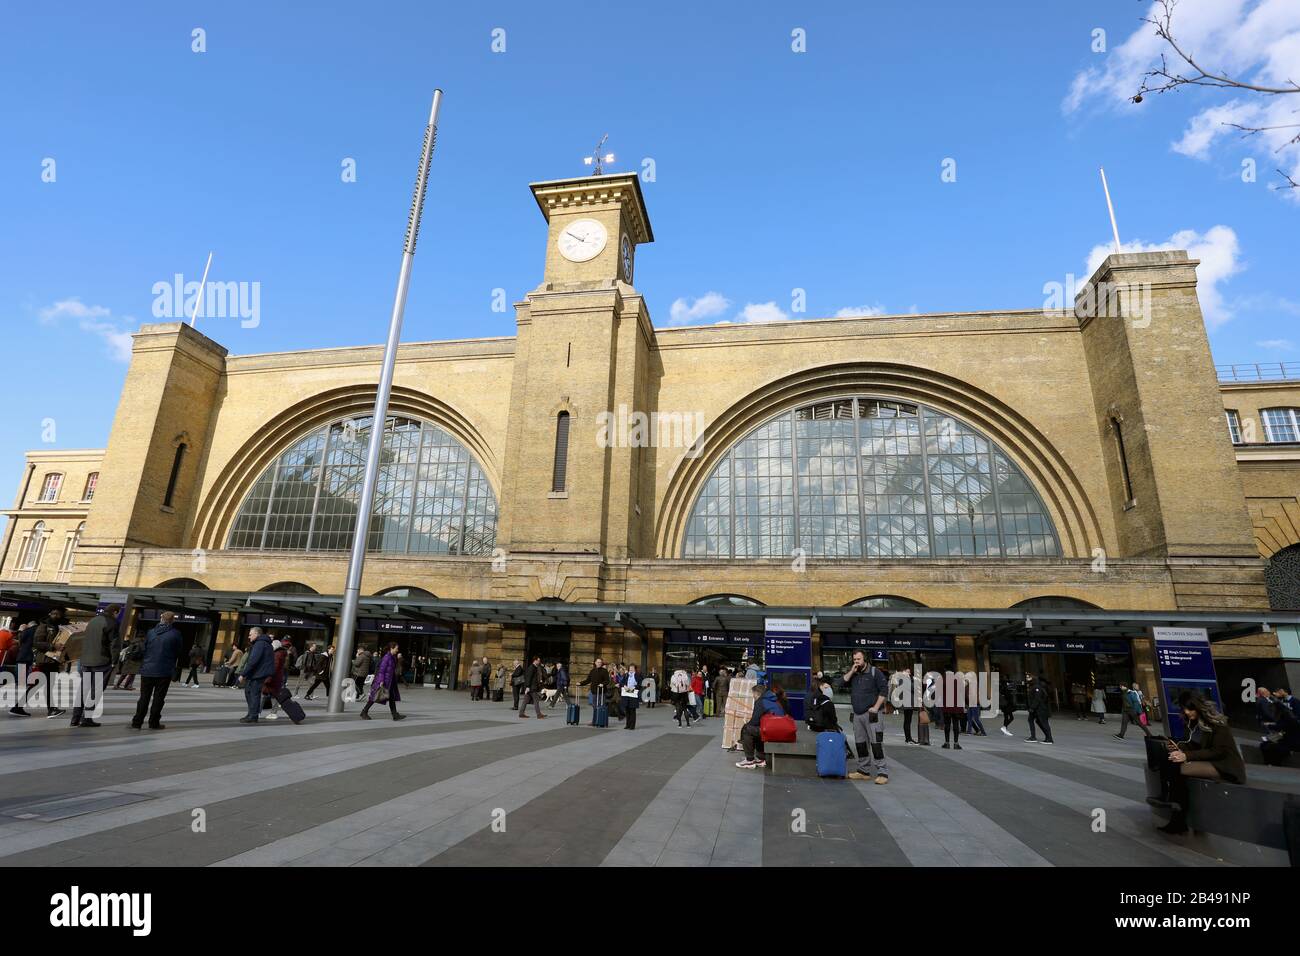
(1111, 209)
(199, 298)
(357, 561)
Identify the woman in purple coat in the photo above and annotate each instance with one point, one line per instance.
(384, 686)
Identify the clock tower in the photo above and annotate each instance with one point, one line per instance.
(571, 491)
(595, 224)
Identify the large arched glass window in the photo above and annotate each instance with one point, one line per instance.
(431, 497)
(35, 549)
(866, 477)
(727, 600)
(885, 601)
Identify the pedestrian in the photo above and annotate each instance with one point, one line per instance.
(1039, 708)
(1079, 697)
(475, 679)
(1007, 704)
(821, 715)
(721, 688)
(23, 655)
(383, 689)
(232, 665)
(322, 665)
(868, 689)
(258, 664)
(97, 643)
(925, 709)
(516, 684)
(271, 686)
(697, 695)
(1208, 752)
(631, 694)
(598, 681)
(1099, 704)
(48, 658)
(679, 685)
(1133, 710)
(360, 670)
(561, 678)
(162, 654)
(903, 696)
(531, 690)
(196, 661)
(954, 708)
(974, 725)
(766, 701)
(128, 661)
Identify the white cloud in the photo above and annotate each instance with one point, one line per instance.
(706, 306)
(95, 319)
(1255, 41)
(1276, 345)
(761, 312)
(860, 311)
(1220, 260)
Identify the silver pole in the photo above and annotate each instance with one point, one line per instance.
(357, 561)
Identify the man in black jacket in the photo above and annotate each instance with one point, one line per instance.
(43, 645)
(22, 665)
(534, 678)
(1040, 710)
(97, 643)
(321, 665)
(868, 689)
(598, 681)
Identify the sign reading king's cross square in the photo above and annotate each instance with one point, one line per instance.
(787, 658)
(1184, 662)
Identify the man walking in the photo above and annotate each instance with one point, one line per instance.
(360, 670)
(868, 689)
(561, 683)
(260, 665)
(196, 661)
(321, 665)
(1040, 710)
(97, 643)
(531, 690)
(162, 654)
(1132, 711)
(47, 661)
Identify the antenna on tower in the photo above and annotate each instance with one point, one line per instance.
(1111, 209)
(596, 160)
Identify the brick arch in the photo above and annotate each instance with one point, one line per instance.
(219, 508)
(1062, 494)
(1276, 524)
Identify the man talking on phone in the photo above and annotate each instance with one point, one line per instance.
(867, 687)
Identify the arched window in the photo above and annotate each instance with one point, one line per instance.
(560, 467)
(184, 584)
(70, 549)
(1054, 603)
(50, 487)
(35, 549)
(405, 592)
(727, 600)
(1283, 576)
(867, 478)
(885, 601)
(288, 587)
(431, 496)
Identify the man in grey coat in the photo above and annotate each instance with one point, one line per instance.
(98, 642)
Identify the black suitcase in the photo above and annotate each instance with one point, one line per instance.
(221, 676)
(600, 713)
(573, 712)
(292, 709)
(499, 694)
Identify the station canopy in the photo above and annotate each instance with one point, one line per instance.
(983, 624)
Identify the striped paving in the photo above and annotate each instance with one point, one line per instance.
(462, 783)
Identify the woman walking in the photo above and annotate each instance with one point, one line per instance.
(953, 711)
(631, 694)
(383, 689)
(1007, 706)
(1099, 704)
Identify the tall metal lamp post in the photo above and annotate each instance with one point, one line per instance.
(357, 561)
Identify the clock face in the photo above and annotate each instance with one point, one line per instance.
(627, 259)
(582, 240)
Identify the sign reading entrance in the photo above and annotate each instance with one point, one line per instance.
(1184, 662)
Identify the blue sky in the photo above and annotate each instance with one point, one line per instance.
(774, 170)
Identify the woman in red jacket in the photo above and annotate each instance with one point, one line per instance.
(272, 684)
(697, 688)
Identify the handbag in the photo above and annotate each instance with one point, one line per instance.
(923, 717)
(381, 694)
(774, 729)
(1142, 719)
(692, 699)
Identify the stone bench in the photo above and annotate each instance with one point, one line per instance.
(1251, 754)
(1248, 813)
(798, 759)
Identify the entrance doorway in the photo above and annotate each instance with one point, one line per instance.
(550, 642)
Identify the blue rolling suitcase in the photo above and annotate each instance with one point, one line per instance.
(831, 755)
(573, 712)
(600, 713)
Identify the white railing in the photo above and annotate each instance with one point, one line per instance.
(1259, 372)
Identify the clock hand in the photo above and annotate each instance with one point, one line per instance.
(574, 236)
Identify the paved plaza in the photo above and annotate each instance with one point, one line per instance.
(462, 783)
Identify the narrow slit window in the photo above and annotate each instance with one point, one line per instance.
(176, 471)
(559, 471)
(1123, 460)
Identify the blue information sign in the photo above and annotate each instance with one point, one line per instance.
(787, 646)
(1184, 662)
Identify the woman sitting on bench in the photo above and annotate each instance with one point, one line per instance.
(1209, 753)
